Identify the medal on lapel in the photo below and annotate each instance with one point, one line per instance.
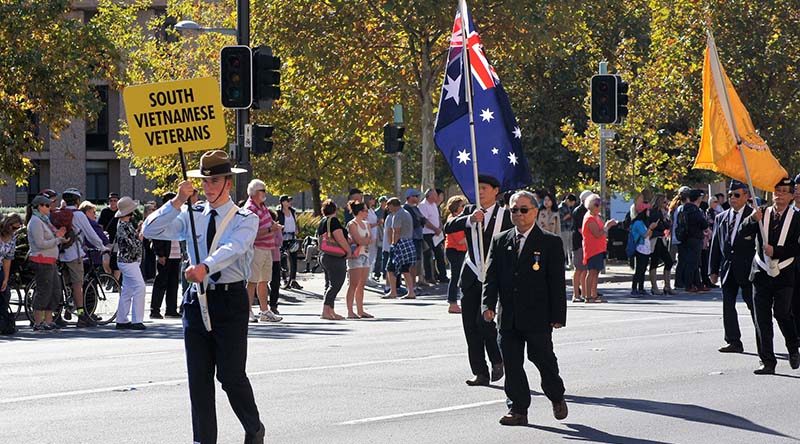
(536, 265)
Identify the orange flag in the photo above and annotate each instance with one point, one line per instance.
(727, 128)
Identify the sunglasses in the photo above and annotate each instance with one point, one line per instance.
(596, 204)
(44, 205)
(736, 195)
(523, 210)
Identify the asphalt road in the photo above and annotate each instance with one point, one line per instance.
(636, 371)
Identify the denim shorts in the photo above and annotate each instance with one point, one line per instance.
(362, 261)
(596, 262)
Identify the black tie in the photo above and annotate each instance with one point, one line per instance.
(211, 232)
(731, 224)
(517, 242)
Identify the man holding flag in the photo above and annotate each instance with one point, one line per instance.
(492, 146)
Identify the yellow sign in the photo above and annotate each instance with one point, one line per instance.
(163, 117)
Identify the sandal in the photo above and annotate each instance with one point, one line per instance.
(366, 315)
(576, 300)
(353, 316)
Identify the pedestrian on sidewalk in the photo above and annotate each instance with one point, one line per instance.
(455, 250)
(261, 267)
(223, 270)
(130, 309)
(275, 283)
(676, 247)
(525, 274)
(579, 276)
(43, 241)
(402, 252)
(287, 217)
(549, 219)
(565, 215)
(168, 271)
(334, 262)
(358, 266)
(659, 239)
(640, 235)
(594, 245)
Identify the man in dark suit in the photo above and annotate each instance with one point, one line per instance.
(526, 272)
(492, 218)
(773, 274)
(730, 259)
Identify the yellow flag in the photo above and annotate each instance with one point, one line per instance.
(727, 128)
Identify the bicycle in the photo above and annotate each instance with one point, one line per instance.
(101, 292)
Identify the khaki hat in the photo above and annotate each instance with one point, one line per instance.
(125, 206)
(215, 164)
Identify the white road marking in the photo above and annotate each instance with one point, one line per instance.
(423, 412)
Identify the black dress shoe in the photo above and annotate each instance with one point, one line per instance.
(497, 372)
(172, 315)
(156, 315)
(732, 348)
(514, 419)
(123, 326)
(794, 360)
(764, 370)
(560, 410)
(480, 380)
(138, 326)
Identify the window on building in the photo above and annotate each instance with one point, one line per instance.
(97, 124)
(25, 193)
(96, 180)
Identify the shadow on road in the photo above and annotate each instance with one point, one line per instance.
(582, 432)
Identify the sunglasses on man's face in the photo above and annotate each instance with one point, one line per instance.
(45, 205)
(523, 210)
(736, 195)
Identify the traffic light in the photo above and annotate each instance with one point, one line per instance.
(266, 77)
(604, 98)
(622, 99)
(393, 138)
(262, 139)
(236, 77)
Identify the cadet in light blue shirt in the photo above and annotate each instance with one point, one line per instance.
(225, 271)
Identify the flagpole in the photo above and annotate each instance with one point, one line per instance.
(468, 83)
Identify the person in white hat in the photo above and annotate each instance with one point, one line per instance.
(130, 310)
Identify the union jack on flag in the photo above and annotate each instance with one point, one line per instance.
(498, 138)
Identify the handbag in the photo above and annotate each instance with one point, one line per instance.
(329, 244)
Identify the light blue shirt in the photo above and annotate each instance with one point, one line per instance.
(235, 247)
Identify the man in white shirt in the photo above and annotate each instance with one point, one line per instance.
(432, 235)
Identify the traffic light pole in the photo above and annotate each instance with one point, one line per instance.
(603, 70)
(398, 161)
(242, 115)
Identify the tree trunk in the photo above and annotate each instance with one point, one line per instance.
(426, 120)
(316, 199)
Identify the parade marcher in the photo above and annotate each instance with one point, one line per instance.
(730, 260)
(287, 217)
(455, 249)
(525, 275)
(261, 267)
(773, 274)
(44, 240)
(168, 270)
(223, 272)
(796, 298)
(129, 242)
(481, 336)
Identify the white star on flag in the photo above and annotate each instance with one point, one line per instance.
(512, 159)
(487, 115)
(453, 88)
(463, 157)
(517, 132)
(495, 151)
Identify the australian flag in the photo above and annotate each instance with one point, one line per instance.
(498, 137)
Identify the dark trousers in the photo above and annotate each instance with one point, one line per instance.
(275, 285)
(770, 299)
(660, 254)
(291, 262)
(681, 266)
(335, 274)
(438, 254)
(540, 352)
(456, 259)
(481, 335)
(704, 278)
(148, 265)
(224, 350)
(166, 283)
(377, 267)
(641, 261)
(691, 271)
(730, 318)
(796, 302)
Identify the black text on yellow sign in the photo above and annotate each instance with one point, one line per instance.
(163, 117)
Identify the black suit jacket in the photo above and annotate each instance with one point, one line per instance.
(731, 261)
(791, 248)
(528, 299)
(468, 277)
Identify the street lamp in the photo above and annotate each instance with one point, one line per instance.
(133, 172)
(189, 25)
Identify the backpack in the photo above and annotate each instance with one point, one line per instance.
(62, 218)
(681, 228)
(630, 247)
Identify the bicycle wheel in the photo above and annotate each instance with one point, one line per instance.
(28, 298)
(19, 301)
(102, 297)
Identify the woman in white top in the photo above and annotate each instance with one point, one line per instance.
(549, 220)
(358, 266)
